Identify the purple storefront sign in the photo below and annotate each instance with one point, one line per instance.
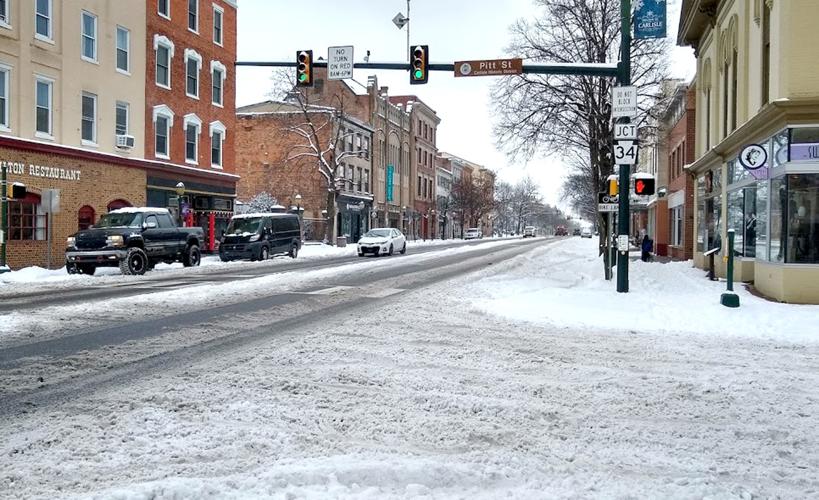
(808, 151)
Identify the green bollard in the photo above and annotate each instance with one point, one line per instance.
(729, 298)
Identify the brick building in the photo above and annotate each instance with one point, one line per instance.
(423, 133)
(190, 98)
(679, 123)
(272, 159)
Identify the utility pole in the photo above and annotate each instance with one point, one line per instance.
(624, 79)
(409, 51)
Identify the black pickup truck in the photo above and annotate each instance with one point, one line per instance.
(135, 239)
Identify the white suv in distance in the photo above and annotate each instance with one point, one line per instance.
(529, 232)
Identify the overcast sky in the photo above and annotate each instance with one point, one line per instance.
(455, 30)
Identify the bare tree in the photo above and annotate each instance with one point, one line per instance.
(560, 114)
(320, 136)
(473, 198)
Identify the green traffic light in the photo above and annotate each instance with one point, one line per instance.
(419, 74)
(302, 77)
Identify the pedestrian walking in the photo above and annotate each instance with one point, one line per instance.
(647, 246)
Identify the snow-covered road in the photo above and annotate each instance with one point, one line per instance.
(435, 393)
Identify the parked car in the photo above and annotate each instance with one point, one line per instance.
(585, 233)
(576, 232)
(381, 241)
(135, 240)
(258, 236)
(473, 233)
(529, 232)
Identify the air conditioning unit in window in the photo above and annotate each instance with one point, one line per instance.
(125, 141)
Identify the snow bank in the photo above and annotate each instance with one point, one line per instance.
(563, 285)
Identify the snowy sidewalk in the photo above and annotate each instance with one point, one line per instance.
(476, 397)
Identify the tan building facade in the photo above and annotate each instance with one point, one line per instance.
(69, 70)
(757, 84)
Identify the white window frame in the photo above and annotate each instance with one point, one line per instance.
(94, 120)
(219, 128)
(5, 21)
(166, 15)
(126, 71)
(127, 107)
(192, 120)
(218, 66)
(188, 19)
(94, 39)
(163, 41)
(167, 113)
(5, 126)
(221, 12)
(50, 37)
(192, 54)
(50, 82)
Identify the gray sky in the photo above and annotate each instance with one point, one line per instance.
(454, 30)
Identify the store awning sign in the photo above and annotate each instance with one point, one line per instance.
(754, 159)
(649, 19)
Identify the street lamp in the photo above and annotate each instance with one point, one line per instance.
(180, 190)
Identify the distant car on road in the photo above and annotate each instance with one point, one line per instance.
(382, 241)
(561, 231)
(529, 232)
(576, 231)
(473, 233)
(586, 233)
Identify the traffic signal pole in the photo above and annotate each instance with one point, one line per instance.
(624, 79)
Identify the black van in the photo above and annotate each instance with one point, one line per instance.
(258, 236)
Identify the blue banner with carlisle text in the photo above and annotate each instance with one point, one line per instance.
(649, 18)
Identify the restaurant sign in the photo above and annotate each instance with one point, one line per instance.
(46, 172)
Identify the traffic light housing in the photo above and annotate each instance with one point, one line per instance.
(304, 68)
(644, 187)
(15, 191)
(419, 67)
(613, 187)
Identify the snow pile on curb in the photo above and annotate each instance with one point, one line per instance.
(563, 285)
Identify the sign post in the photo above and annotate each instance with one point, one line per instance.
(627, 102)
(4, 228)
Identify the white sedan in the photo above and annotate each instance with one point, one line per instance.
(380, 241)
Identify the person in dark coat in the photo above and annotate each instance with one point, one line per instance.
(646, 247)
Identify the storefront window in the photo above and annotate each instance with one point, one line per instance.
(712, 226)
(779, 155)
(762, 220)
(749, 222)
(27, 220)
(735, 219)
(736, 172)
(804, 144)
(778, 213)
(803, 219)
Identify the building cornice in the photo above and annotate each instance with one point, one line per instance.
(771, 119)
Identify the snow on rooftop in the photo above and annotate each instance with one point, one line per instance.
(261, 214)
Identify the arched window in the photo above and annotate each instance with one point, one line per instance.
(118, 204)
(85, 217)
(27, 220)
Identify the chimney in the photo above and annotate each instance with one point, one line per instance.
(383, 90)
